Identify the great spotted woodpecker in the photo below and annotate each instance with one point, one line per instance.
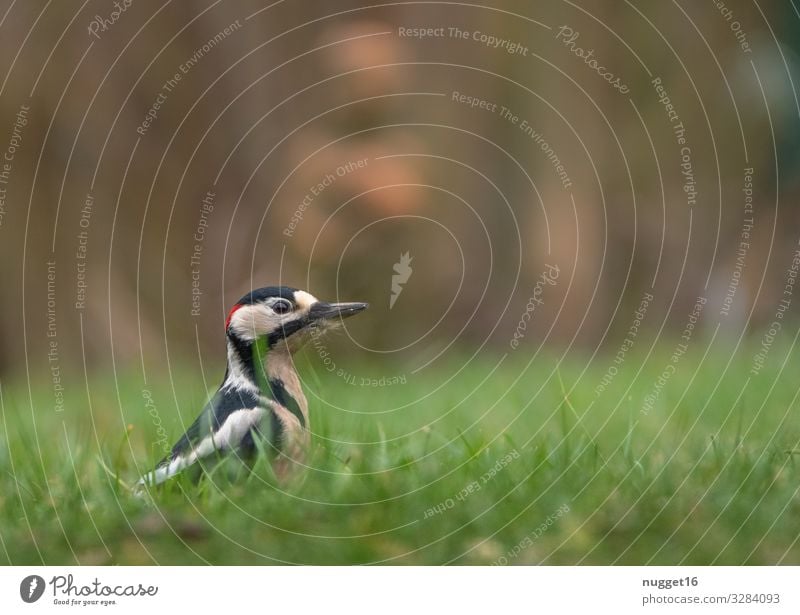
(260, 399)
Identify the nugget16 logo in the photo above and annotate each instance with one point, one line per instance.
(31, 588)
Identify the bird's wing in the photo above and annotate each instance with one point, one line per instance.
(226, 419)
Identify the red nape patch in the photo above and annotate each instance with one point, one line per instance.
(230, 315)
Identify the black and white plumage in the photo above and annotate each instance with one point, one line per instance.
(260, 398)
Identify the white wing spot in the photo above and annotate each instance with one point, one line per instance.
(228, 436)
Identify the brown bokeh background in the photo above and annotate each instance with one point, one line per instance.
(302, 88)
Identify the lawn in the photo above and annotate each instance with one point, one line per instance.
(470, 462)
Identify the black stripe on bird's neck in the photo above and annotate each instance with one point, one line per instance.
(241, 362)
(244, 351)
(282, 395)
(248, 360)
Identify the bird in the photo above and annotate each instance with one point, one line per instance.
(260, 403)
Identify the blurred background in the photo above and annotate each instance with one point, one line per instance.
(162, 159)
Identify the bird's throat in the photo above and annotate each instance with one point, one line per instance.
(267, 371)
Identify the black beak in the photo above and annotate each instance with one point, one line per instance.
(325, 311)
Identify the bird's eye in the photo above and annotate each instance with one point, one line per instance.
(281, 307)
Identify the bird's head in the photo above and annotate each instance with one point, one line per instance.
(283, 315)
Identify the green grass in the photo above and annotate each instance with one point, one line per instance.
(708, 475)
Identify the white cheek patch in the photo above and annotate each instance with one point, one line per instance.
(252, 321)
(304, 300)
